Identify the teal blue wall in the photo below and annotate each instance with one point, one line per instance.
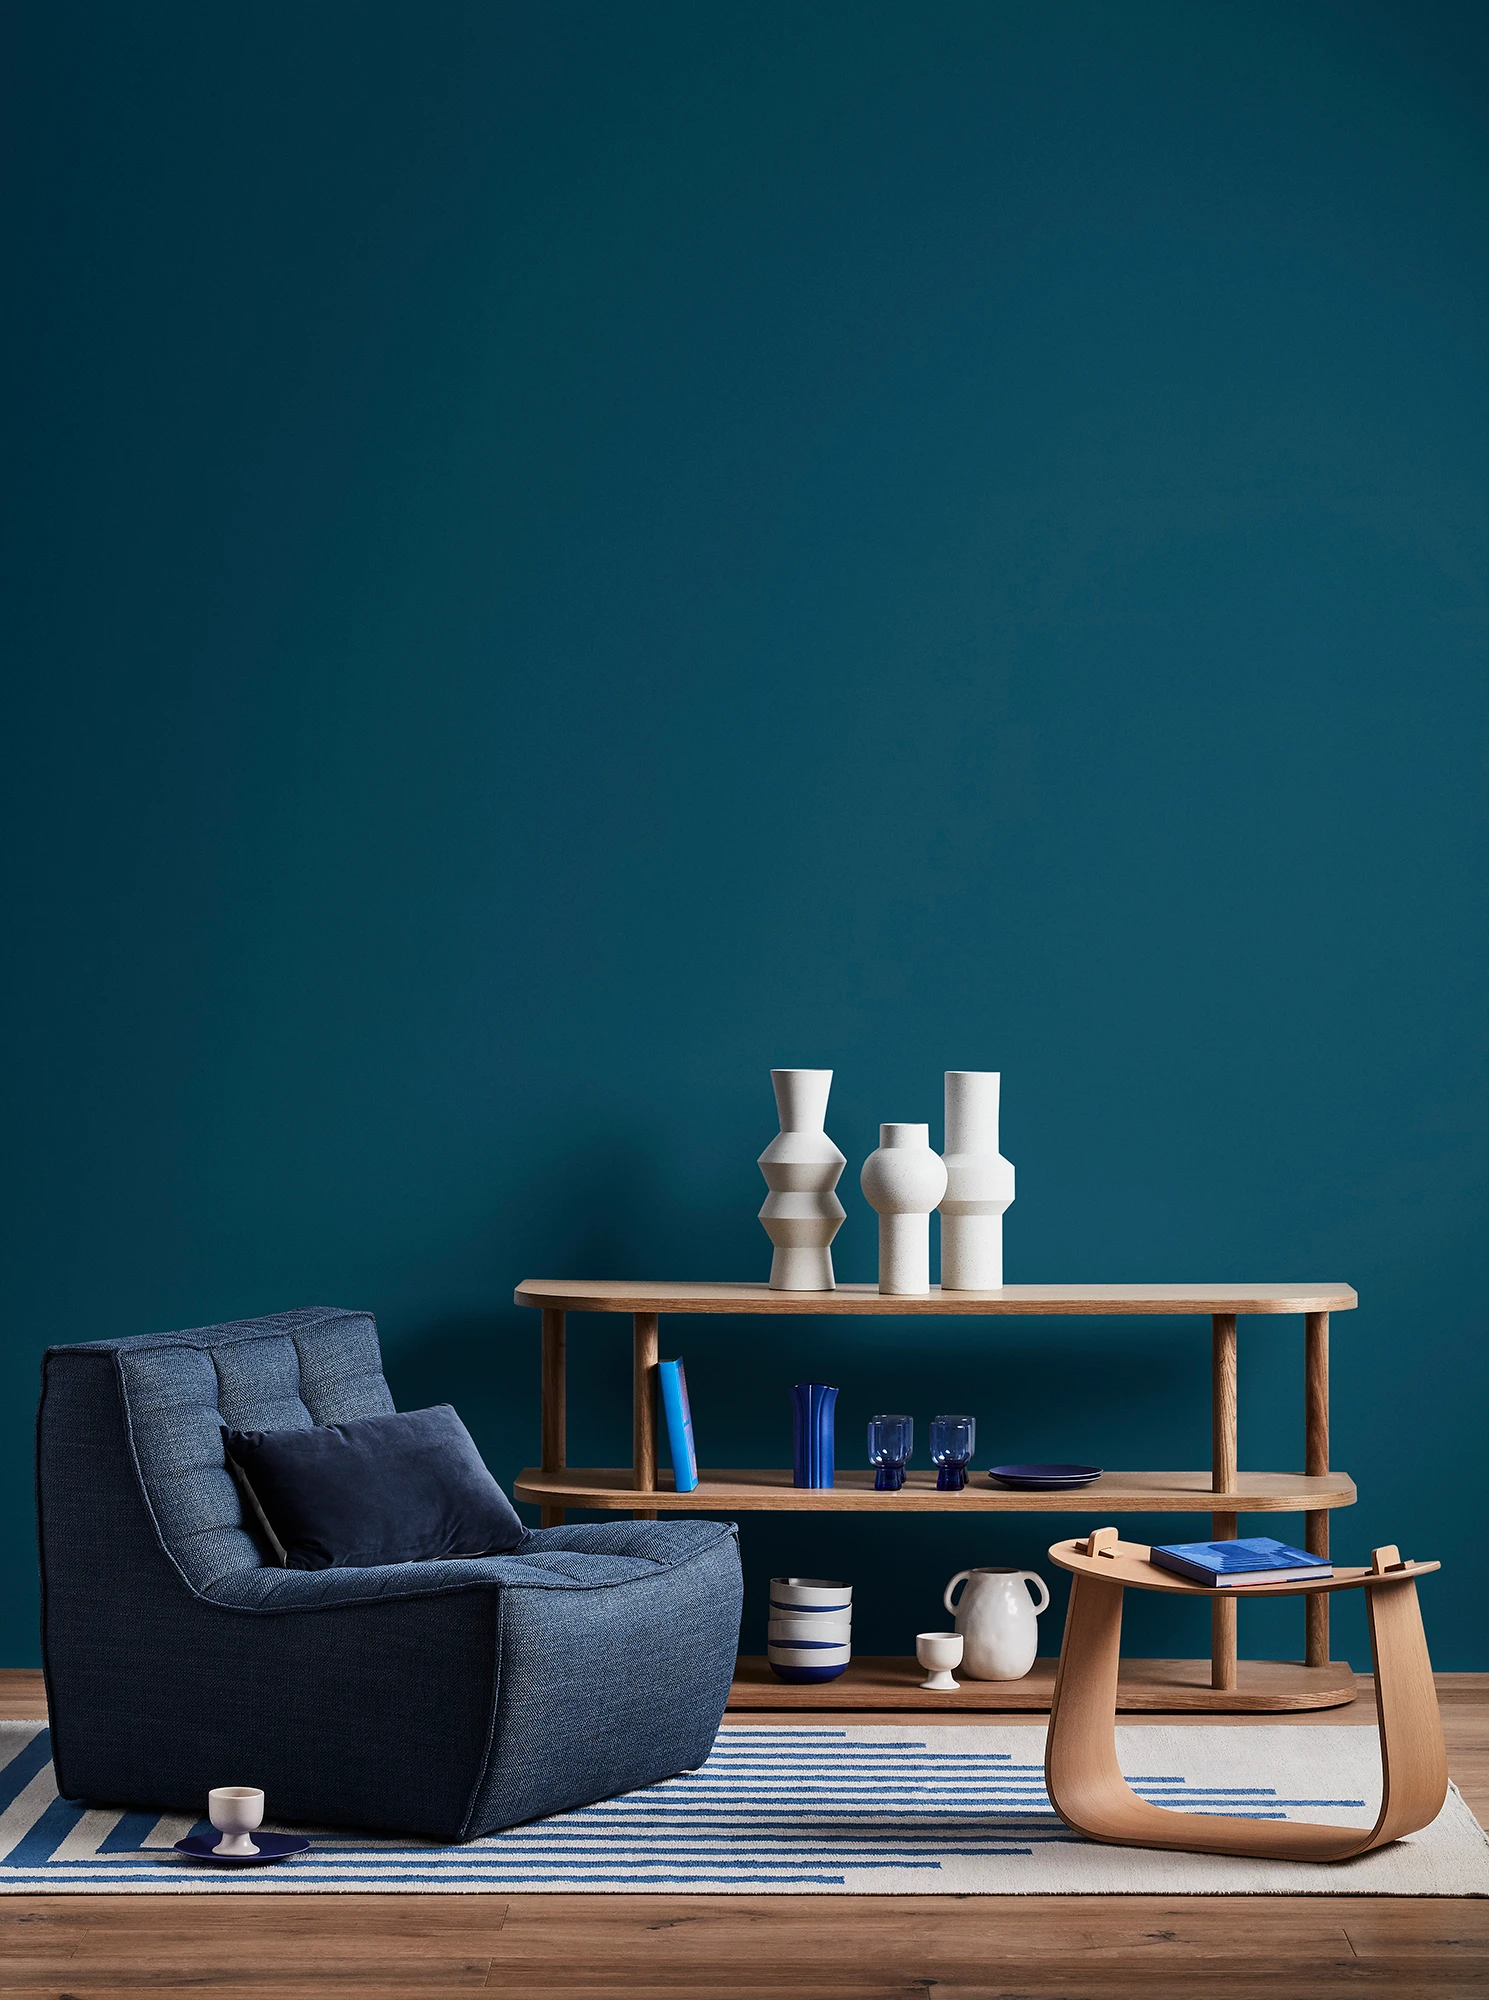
(570, 553)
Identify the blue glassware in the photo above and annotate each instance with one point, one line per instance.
(953, 1441)
(891, 1442)
(812, 1405)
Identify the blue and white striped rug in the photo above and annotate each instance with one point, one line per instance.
(813, 1810)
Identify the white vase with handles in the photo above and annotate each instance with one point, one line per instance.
(904, 1180)
(801, 1165)
(979, 1184)
(998, 1621)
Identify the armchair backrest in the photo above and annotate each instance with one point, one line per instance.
(170, 1394)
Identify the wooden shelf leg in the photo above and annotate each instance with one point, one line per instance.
(1223, 1527)
(644, 1410)
(555, 1410)
(1316, 1460)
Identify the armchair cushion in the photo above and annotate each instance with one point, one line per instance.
(407, 1487)
(588, 1556)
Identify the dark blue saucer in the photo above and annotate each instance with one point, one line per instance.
(271, 1847)
(1043, 1478)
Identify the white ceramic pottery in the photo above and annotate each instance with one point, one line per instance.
(938, 1653)
(979, 1184)
(904, 1180)
(793, 1594)
(998, 1621)
(836, 1657)
(810, 1630)
(235, 1810)
(801, 1214)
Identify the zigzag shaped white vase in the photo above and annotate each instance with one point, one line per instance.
(801, 1214)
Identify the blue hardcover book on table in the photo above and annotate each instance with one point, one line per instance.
(679, 1425)
(1256, 1560)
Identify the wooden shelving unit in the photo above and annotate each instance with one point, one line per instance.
(1222, 1685)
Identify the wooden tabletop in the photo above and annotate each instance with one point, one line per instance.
(1130, 1563)
(625, 1295)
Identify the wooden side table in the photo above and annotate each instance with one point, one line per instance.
(1222, 1491)
(1081, 1772)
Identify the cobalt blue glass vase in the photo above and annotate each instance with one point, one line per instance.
(812, 1405)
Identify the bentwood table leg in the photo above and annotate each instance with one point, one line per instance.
(644, 1410)
(1316, 1450)
(555, 1415)
(1223, 1480)
(1085, 1782)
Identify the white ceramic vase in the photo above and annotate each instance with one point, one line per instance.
(904, 1180)
(997, 1620)
(801, 1214)
(979, 1184)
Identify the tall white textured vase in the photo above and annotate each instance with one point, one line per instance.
(979, 1184)
(904, 1180)
(801, 1165)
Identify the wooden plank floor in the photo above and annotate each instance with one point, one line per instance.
(773, 1947)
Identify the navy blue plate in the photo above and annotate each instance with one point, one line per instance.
(271, 1846)
(1043, 1478)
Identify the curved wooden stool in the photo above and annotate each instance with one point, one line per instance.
(1081, 1773)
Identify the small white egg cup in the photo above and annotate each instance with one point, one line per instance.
(940, 1652)
(236, 1811)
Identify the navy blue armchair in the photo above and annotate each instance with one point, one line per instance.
(446, 1698)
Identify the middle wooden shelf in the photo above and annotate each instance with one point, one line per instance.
(610, 1489)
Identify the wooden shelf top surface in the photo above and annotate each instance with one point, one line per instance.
(626, 1295)
(1171, 1686)
(769, 1489)
(1131, 1565)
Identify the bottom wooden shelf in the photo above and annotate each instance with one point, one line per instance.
(1262, 1686)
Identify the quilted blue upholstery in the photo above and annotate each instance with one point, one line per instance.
(443, 1698)
(287, 1373)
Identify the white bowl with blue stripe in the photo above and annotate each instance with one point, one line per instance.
(797, 1594)
(811, 1662)
(832, 1629)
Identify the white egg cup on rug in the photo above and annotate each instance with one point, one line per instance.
(236, 1811)
(979, 1184)
(801, 1214)
(904, 1180)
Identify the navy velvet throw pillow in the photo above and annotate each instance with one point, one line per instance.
(395, 1489)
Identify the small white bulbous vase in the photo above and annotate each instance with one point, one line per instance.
(904, 1180)
(801, 1214)
(979, 1184)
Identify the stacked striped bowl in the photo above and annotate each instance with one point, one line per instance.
(811, 1627)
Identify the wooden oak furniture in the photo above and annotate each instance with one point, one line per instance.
(1223, 1491)
(1085, 1782)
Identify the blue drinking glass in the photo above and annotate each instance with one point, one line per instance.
(953, 1441)
(891, 1441)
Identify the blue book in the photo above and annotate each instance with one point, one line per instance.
(679, 1425)
(1257, 1560)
